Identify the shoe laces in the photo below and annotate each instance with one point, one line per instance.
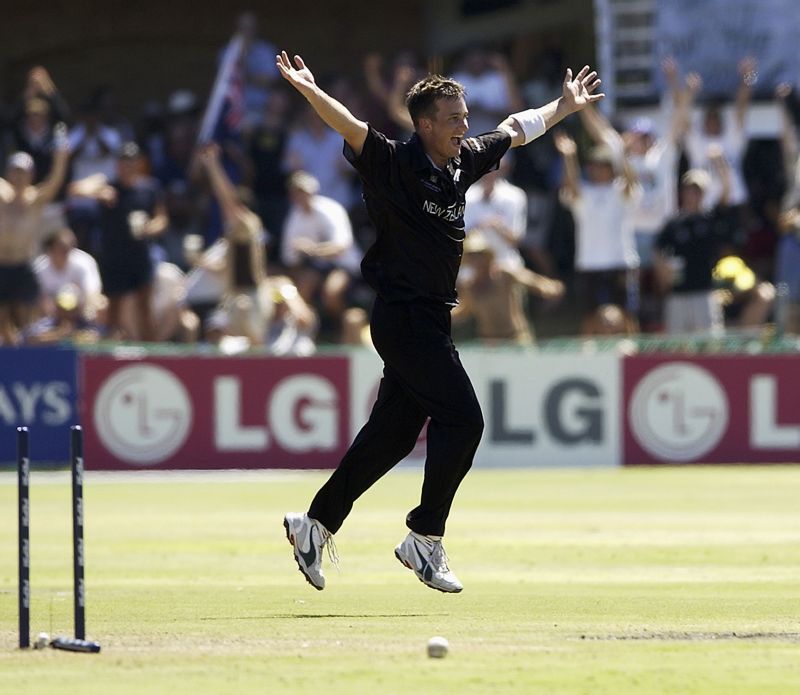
(439, 558)
(328, 543)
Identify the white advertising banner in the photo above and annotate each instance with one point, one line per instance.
(540, 410)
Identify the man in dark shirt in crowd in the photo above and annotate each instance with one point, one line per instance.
(686, 250)
(132, 213)
(414, 193)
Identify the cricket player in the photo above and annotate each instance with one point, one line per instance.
(414, 193)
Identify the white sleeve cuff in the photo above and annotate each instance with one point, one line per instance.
(531, 122)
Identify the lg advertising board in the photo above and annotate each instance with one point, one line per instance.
(215, 413)
(208, 412)
(539, 410)
(723, 409)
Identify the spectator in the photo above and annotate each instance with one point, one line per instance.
(183, 226)
(390, 94)
(654, 160)
(492, 89)
(94, 145)
(64, 265)
(206, 280)
(746, 300)
(355, 328)
(611, 321)
(603, 206)
(132, 213)
(180, 136)
(500, 210)
(686, 251)
(317, 149)
(267, 145)
(34, 120)
(715, 132)
(173, 320)
(258, 63)
(21, 210)
(150, 133)
(65, 321)
(787, 259)
(790, 149)
(492, 293)
(294, 323)
(245, 295)
(536, 166)
(787, 273)
(104, 98)
(318, 246)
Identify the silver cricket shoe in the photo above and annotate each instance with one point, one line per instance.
(309, 537)
(427, 558)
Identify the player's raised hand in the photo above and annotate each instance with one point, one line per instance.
(298, 75)
(580, 91)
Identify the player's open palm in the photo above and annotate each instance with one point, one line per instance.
(298, 74)
(580, 91)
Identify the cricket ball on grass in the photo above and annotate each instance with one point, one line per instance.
(438, 647)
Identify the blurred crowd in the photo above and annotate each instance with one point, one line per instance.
(127, 229)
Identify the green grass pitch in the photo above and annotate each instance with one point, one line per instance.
(674, 580)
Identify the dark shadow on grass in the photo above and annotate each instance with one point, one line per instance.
(793, 637)
(304, 616)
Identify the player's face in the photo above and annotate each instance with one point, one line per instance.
(444, 132)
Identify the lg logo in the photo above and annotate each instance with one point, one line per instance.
(143, 414)
(678, 412)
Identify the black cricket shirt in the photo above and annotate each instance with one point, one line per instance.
(418, 212)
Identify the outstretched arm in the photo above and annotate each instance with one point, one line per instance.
(722, 171)
(600, 129)
(748, 74)
(789, 144)
(396, 105)
(678, 100)
(547, 288)
(48, 189)
(334, 113)
(576, 94)
(603, 133)
(223, 189)
(570, 187)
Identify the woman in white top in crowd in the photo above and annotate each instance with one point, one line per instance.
(603, 207)
(716, 131)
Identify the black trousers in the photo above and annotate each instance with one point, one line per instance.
(422, 377)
